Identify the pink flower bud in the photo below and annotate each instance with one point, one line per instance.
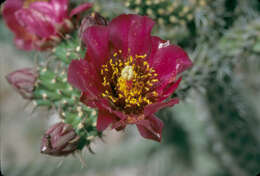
(23, 81)
(59, 140)
(91, 20)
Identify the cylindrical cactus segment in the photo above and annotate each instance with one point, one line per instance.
(233, 120)
(166, 12)
(53, 90)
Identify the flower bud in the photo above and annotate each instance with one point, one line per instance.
(24, 81)
(91, 20)
(59, 140)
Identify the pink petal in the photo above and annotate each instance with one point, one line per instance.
(36, 22)
(60, 8)
(169, 62)
(156, 43)
(89, 100)
(44, 8)
(82, 76)
(152, 108)
(139, 37)
(24, 44)
(119, 125)
(151, 128)
(169, 90)
(104, 120)
(101, 103)
(9, 9)
(131, 33)
(105, 104)
(118, 32)
(80, 8)
(156, 123)
(96, 39)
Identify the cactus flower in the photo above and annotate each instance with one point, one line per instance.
(59, 140)
(127, 74)
(39, 24)
(23, 81)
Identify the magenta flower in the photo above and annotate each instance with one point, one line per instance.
(39, 24)
(128, 74)
(23, 81)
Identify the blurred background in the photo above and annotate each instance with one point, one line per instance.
(214, 131)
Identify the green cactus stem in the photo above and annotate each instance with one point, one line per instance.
(233, 120)
(53, 91)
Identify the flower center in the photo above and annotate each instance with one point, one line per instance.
(28, 2)
(129, 83)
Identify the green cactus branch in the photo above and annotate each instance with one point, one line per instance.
(53, 90)
(233, 119)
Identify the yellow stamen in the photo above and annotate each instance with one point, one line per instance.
(128, 83)
(141, 56)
